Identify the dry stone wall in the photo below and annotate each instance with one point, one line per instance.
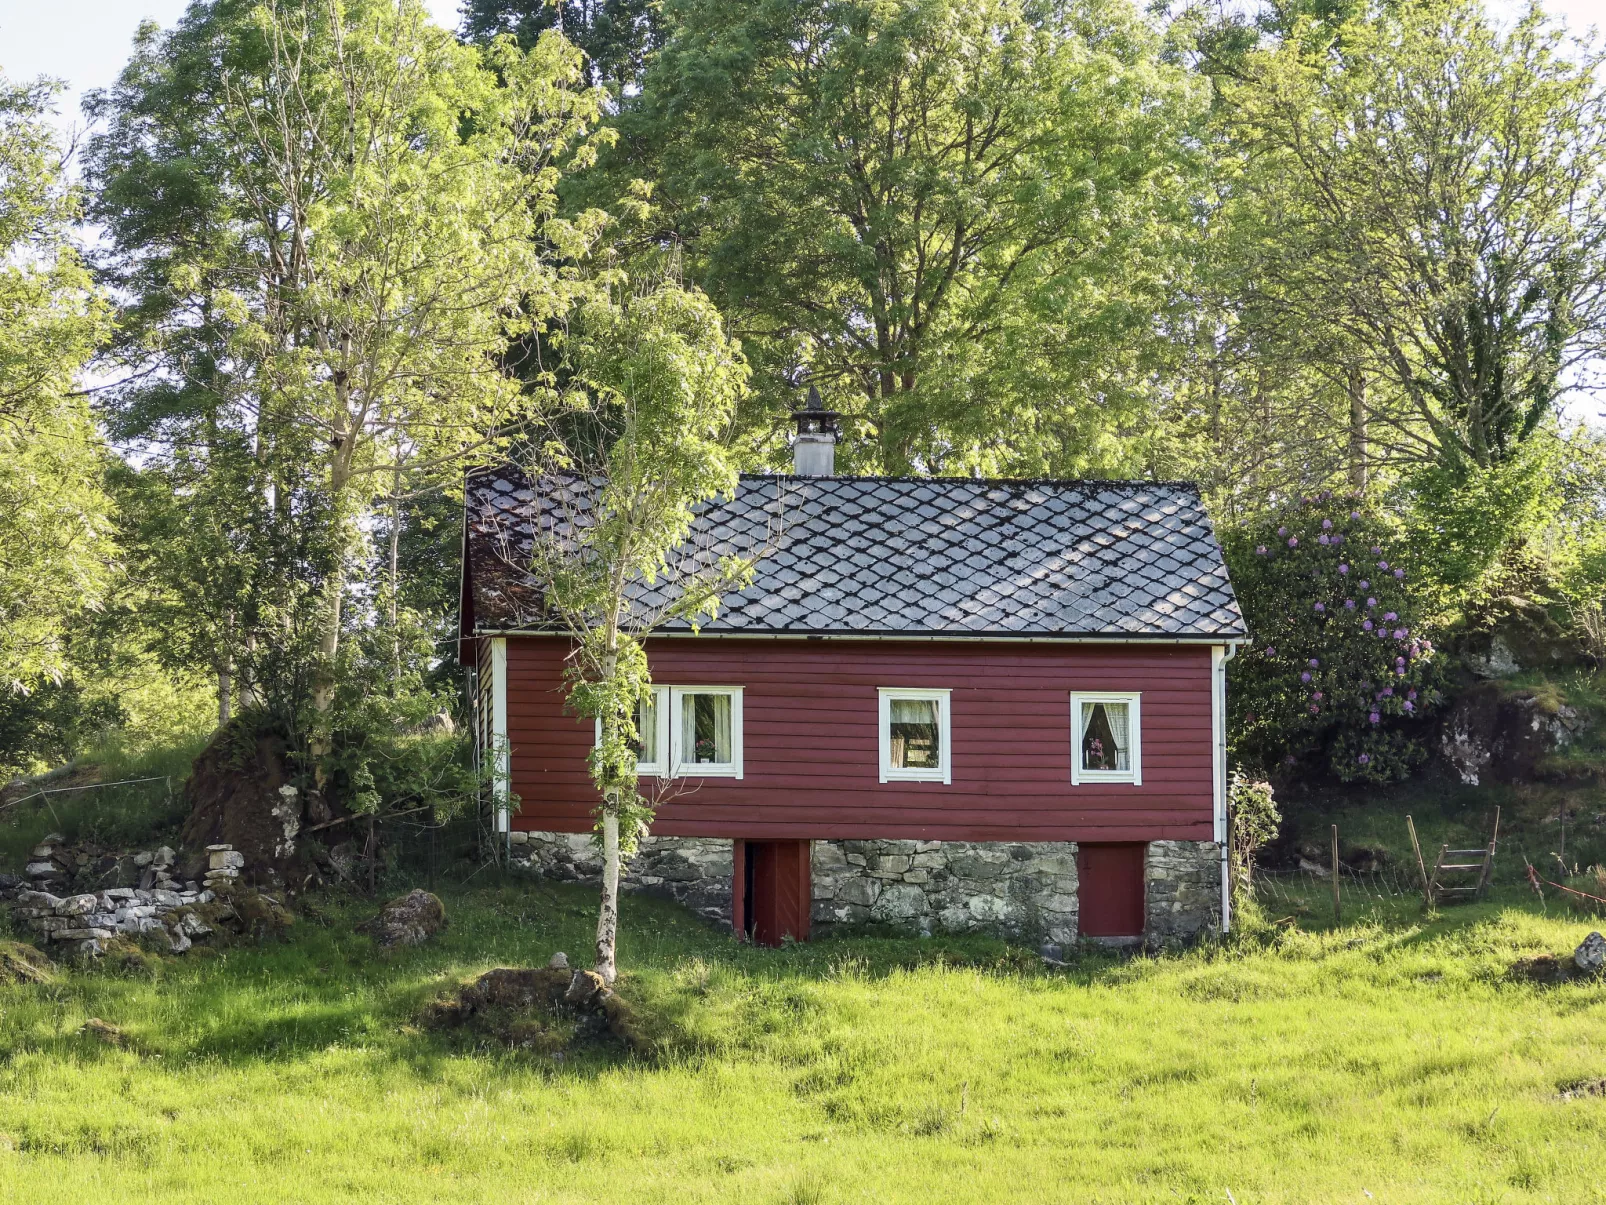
(1025, 891)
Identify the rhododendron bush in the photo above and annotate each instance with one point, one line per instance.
(1336, 673)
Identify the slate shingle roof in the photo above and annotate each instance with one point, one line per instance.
(880, 556)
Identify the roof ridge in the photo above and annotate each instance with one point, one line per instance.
(1131, 483)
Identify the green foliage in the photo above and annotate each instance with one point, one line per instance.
(616, 36)
(946, 214)
(54, 546)
(1337, 674)
(1431, 187)
(1253, 820)
(330, 221)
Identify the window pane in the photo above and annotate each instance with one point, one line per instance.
(915, 735)
(646, 743)
(1106, 740)
(706, 729)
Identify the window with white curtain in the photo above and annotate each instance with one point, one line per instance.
(705, 731)
(1106, 744)
(914, 735)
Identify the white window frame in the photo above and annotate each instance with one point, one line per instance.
(679, 769)
(660, 767)
(1134, 702)
(943, 772)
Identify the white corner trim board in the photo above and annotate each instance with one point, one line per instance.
(501, 751)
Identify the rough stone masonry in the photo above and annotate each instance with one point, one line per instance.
(1026, 891)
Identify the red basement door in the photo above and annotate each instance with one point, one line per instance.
(771, 896)
(1110, 890)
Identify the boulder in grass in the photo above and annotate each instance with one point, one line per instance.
(1590, 956)
(408, 920)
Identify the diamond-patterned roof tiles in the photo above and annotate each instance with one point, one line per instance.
(883, 556)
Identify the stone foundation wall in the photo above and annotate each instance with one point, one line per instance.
(695, 872)
(1026, 891)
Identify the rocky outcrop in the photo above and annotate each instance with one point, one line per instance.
(1494, 734)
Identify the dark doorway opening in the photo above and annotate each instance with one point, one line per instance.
(1110, 890)
(770, 900)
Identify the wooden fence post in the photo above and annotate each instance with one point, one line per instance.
(1336, 916)
(1421, 866)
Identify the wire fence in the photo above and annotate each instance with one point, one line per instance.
(1356, 888)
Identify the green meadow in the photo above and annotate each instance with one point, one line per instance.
(1394, 1059)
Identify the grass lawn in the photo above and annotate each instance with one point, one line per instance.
(1389, 1060)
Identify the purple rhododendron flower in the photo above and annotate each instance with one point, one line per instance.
(1366, 585)
(1343, 568)
(1349, 604)
(1320, 608)
(1371, 602)
(1282, 531)
(1399, 661)
(1337, 538)
(1293, 541)
(1399, 633)
(1390, 616)
(1410, 694)
(1388, 691)
(1367, 625)
(1315, 664)
(1382, 564)
(1400, 573)
(1321, 539)
(1260, 550)
(1327, 525)
(1305, 677)
(1363, 759)
(1376, 551)
(1409, 706)
(1317, 695)
(1315, 710)
(1270, 651)
(1374, 717)
(1355, 514)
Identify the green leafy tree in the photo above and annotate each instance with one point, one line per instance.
(1431, 188)
(1338, 671)
(948, 215)
(332, 220)
(640, 440)
(55, 542)
(616, 36)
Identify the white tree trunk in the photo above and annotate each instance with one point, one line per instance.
(608, 915)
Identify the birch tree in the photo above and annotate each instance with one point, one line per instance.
(640, 440)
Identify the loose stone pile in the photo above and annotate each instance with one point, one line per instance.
(77, 924)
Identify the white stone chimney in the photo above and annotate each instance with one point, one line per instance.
(814, 445)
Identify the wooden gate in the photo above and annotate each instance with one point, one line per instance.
(771, 895)
(1110, 890)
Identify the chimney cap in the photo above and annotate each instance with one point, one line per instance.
(813, 418)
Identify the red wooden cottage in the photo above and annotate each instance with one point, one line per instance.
(942, 704)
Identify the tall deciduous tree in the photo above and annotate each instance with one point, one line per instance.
(616, 36)
(54, 534)
(641, 440)
(943, 212)
(1434, 190)
(332, 219)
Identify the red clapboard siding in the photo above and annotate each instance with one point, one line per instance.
(810, 711)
